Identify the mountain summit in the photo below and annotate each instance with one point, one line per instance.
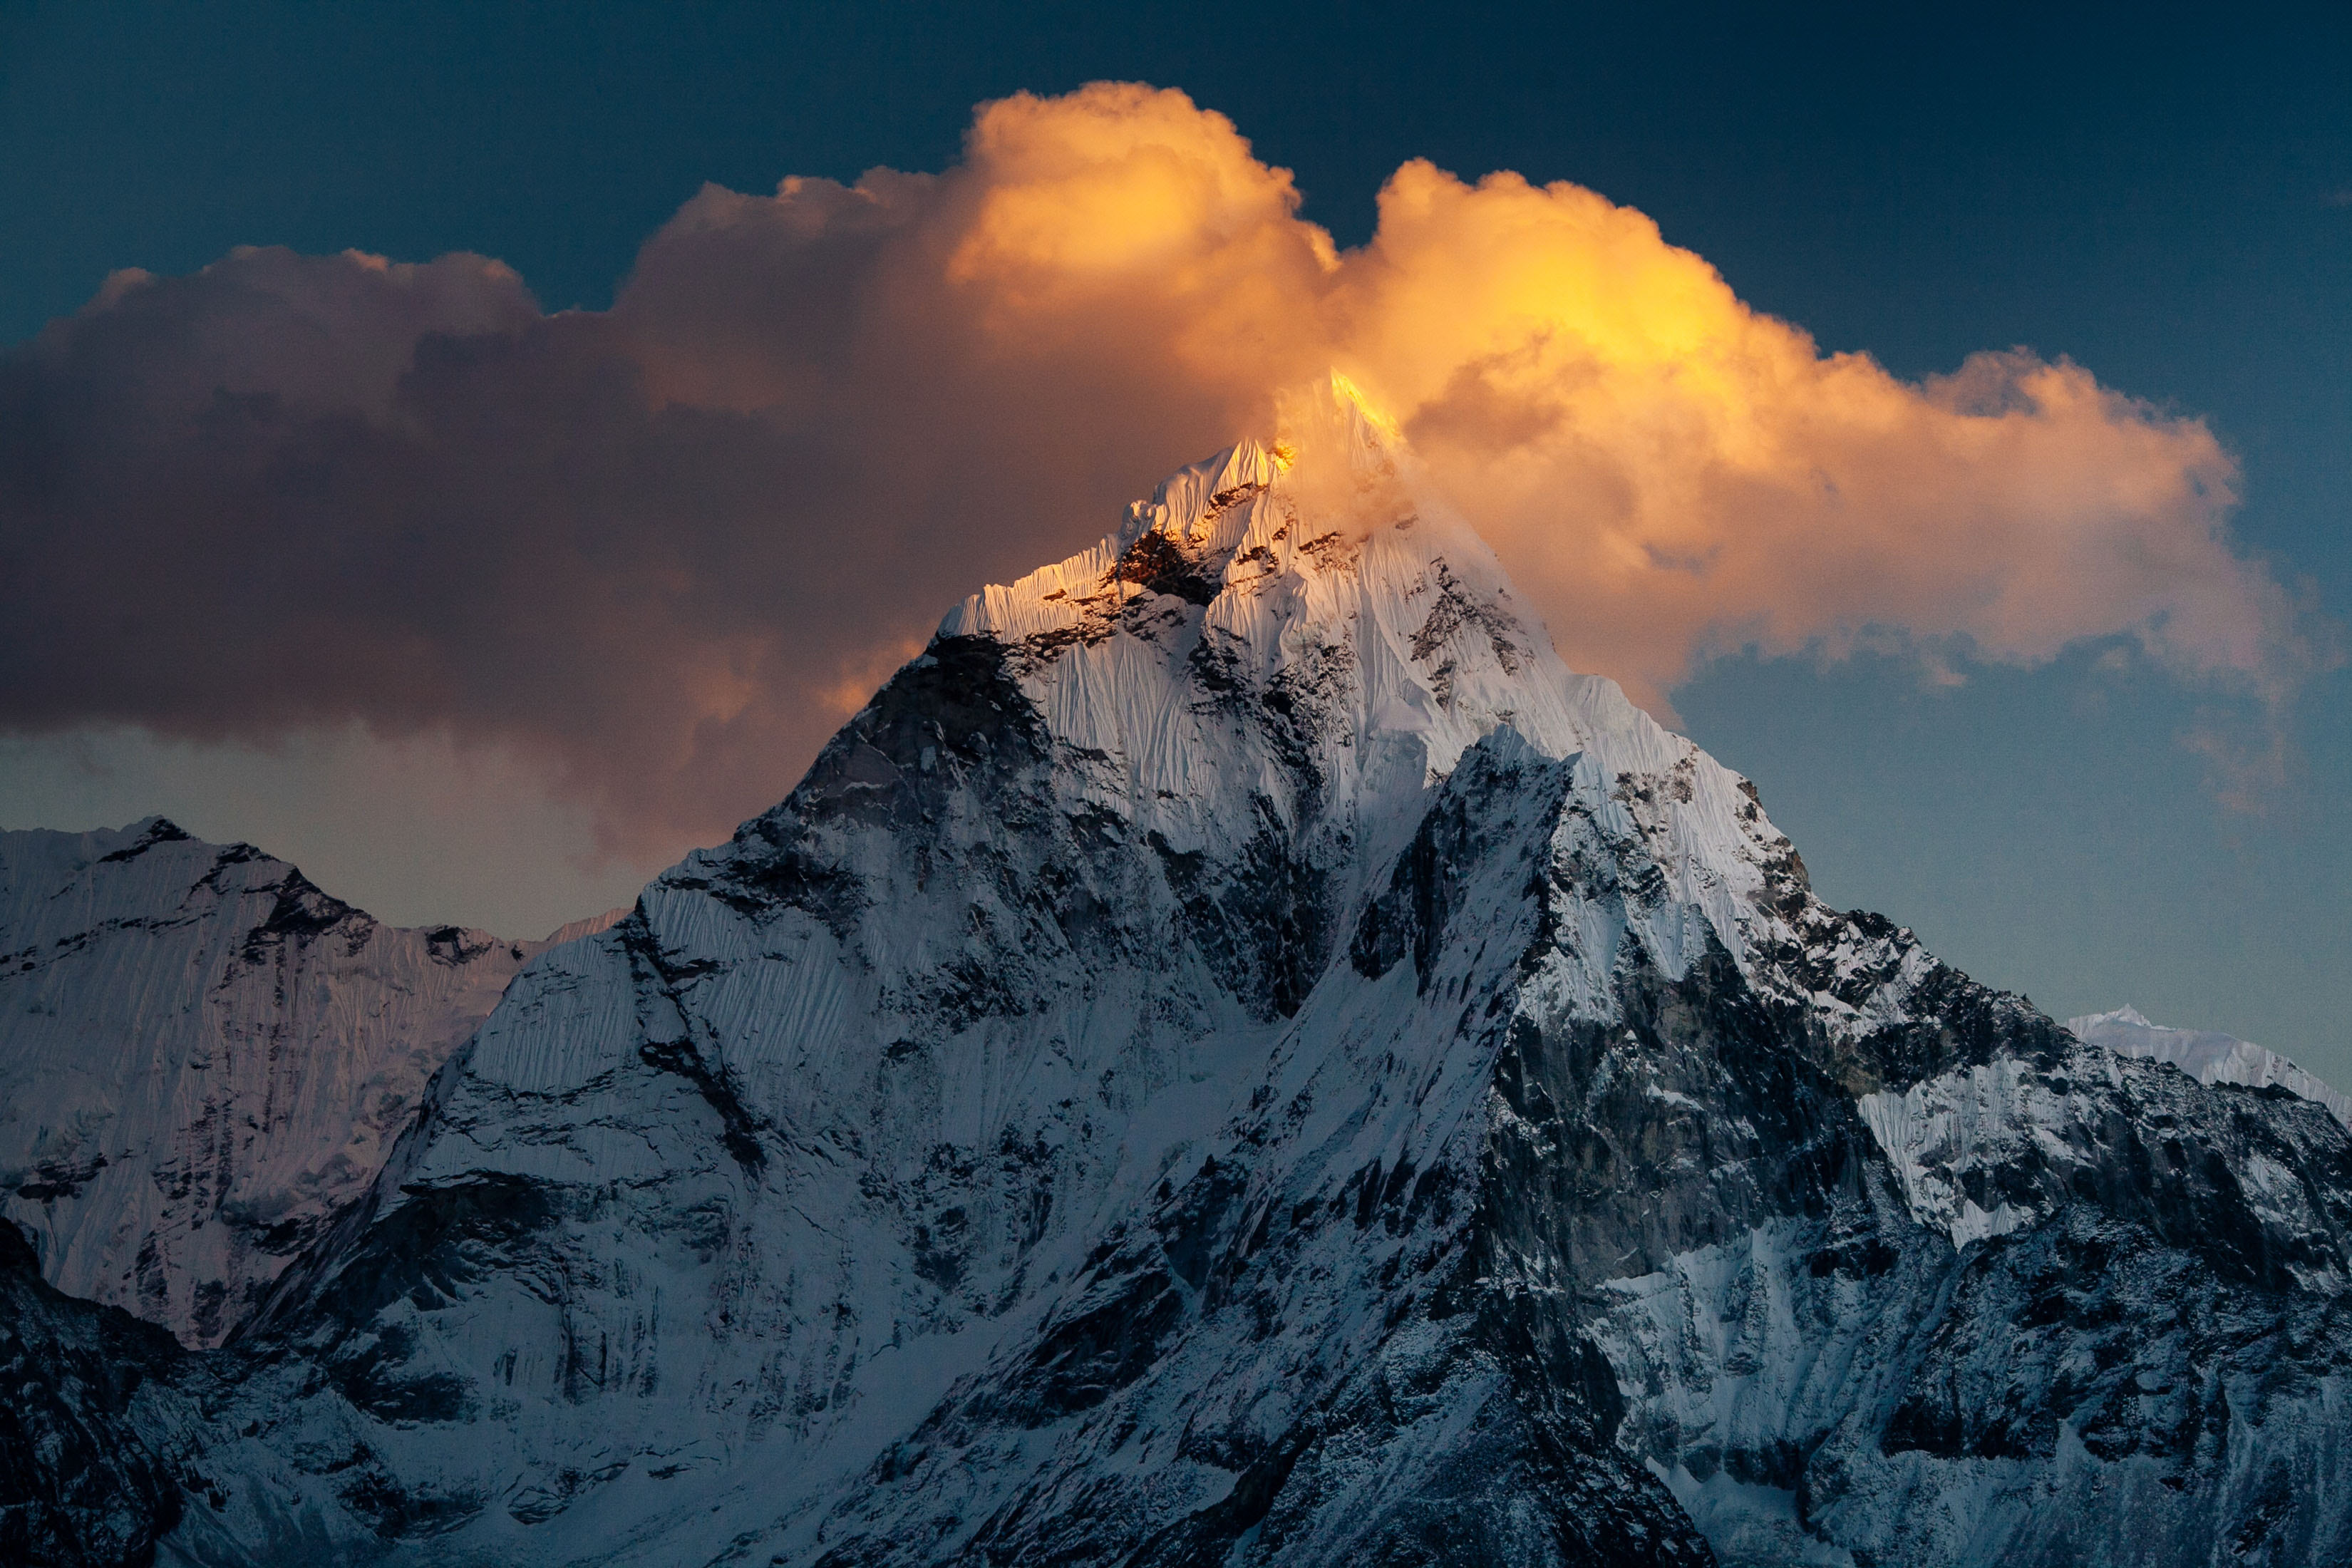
(1236, 1055)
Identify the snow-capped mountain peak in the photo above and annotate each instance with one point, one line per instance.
(1235, 1056)
(1318, 585)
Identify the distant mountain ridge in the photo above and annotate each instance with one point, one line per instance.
(2207, 1057)
(204, 1057)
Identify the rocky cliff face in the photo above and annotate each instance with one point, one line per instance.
(203, 1057)
(81, 1482)
(1236, 1056)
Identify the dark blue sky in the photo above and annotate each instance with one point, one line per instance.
(2162, 193)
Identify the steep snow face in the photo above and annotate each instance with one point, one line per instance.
(204, 1058)
(1307, 631)
(2208, 1058)
(1235, 1056)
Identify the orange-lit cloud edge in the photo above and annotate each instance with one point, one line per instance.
(846, 404)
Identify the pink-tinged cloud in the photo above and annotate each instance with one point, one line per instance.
(663, 549)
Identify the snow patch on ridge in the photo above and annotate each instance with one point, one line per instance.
(1951, 1138)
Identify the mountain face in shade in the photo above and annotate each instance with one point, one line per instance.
(203, 1057)
(1237, 1056)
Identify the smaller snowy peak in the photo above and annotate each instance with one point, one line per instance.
(204, 1056)
(2205, 1055)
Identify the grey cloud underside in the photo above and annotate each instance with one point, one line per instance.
(1236, 1056)
(294, 493)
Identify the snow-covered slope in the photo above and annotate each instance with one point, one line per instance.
(2206, 1056)
(1236, 1056)
(203, 1056)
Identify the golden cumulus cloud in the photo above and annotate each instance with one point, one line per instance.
(651, 545)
